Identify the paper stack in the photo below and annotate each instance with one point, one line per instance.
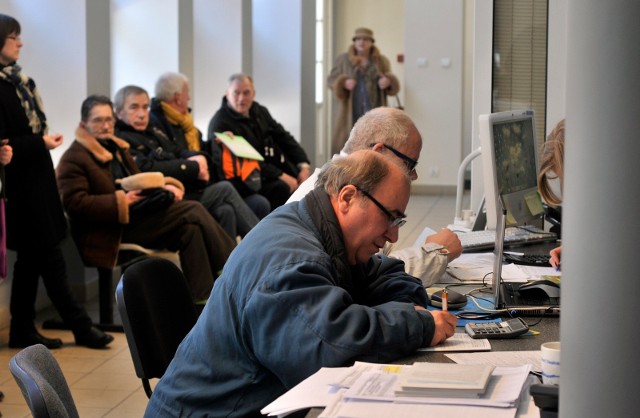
(443, 380)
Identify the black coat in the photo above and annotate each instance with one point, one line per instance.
(35, 218)
(280, 149)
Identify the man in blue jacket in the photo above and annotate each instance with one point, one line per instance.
(305, 289)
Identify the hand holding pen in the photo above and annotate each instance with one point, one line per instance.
(555, 254)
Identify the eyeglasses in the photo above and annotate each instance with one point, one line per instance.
(394, 220)
(102, 121)
(408, 161)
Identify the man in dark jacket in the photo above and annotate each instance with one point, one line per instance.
(154, 151)
(170, 113)
(101, 214)
(315, 294)
(286, 164)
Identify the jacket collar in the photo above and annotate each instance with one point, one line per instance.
(95, 148)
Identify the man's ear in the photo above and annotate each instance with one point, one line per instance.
(346, 198)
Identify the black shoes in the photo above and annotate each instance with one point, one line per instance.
(93, 338)
(33, 338)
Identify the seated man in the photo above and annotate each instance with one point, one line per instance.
(171, 114)
(286, 164)
(100, 212)
(153, 151)
(313, 295)
(391, 131)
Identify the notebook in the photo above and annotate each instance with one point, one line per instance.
(507, 295)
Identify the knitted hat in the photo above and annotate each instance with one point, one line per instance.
(363, 33)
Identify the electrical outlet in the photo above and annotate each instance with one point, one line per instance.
(434, 171)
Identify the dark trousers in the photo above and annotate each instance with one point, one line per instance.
(48, 263)
(277, 191)
(188, 228)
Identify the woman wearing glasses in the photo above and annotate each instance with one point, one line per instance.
(35, 220)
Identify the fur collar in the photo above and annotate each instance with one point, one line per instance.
(93, 146)
(374, 56)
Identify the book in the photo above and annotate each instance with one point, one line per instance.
(447, 380)
(239, 146)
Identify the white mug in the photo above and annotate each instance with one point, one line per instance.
(550, 363)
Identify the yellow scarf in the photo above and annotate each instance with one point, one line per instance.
(185, 121)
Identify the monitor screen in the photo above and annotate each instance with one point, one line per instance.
(510, 166)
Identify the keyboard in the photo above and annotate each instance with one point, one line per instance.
(538, 260)
(513, 235)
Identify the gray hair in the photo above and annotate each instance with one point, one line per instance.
(169, 84)
(240, 77)
(122, 94)
(384, 125)
(365, 169)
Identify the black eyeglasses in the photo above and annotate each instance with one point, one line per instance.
(408, 161)
(394, 220)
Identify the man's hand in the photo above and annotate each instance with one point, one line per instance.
(52, 141)
(556, 255)
(304, 174)
(445, 326)
(203, 174)
(177, 192)
(449, 240)
(291, 181)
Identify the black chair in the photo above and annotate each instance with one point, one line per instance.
(157, 312)
(42, 383)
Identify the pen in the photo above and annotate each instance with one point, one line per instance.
(445, 301)
(558, 267)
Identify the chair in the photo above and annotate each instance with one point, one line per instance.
(157, 312)
(42, 383)
(128, 253)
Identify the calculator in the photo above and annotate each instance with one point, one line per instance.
(505, 329)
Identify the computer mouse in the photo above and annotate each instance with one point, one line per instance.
(455, 300)
(548, 287)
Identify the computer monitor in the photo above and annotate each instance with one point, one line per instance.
(510, 166)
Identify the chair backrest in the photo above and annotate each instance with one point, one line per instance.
(157, 313)
(42, 383)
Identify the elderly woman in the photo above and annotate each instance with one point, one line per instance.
(361, 80)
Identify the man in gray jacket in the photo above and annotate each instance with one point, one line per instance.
(305, 289)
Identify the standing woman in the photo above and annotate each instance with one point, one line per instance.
(35, 220)
(361, 80)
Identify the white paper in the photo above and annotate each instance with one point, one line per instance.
(461, 341)
(500, 358)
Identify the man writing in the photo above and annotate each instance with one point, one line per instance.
(313, 295)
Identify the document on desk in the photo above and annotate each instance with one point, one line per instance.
(500, 358)
(503, 389)
(461, 341)
(343, 408)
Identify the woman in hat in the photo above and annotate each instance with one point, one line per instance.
(361, 79)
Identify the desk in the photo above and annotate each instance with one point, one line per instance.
(548, 328)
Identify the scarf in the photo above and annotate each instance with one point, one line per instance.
(185, 121)
(28, 95)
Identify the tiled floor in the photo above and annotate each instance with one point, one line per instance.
(103, 382)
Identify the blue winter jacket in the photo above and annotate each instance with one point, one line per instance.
(281, 310)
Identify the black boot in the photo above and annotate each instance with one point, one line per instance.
(92, 338)
(23, 340)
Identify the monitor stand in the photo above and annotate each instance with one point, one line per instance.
(497, 262)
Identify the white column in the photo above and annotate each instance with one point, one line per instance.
(600, 284)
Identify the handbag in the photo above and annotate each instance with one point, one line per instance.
(155, 199)
(398, 103)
